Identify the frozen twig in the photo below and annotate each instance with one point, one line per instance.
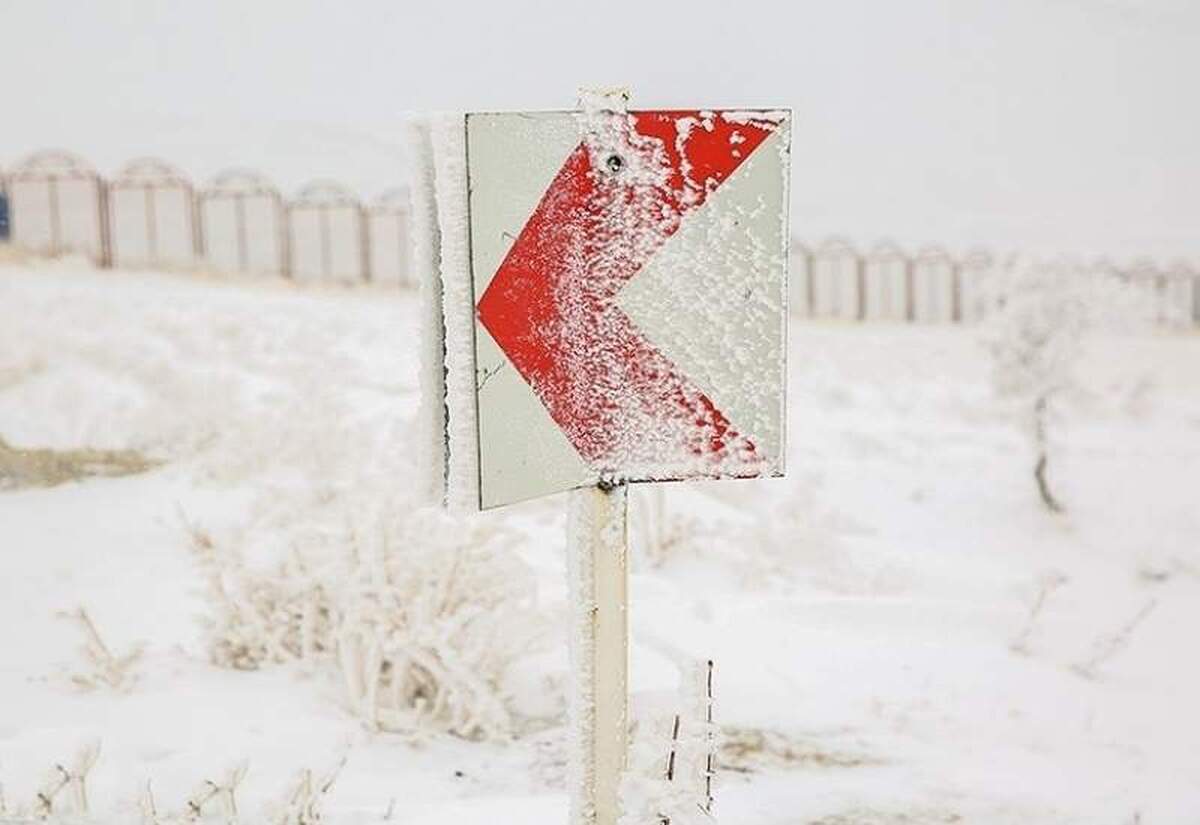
(1041, 447)
(57, 779)
(107, 669)
(671, 756)
(303, 805)
(1050, 583)
(1109, 646)
(62, 778)
(225, 792)
(207, 791)
(148, 806)
(671, 753)
(85, 760)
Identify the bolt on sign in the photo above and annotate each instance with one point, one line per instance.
(628, 275)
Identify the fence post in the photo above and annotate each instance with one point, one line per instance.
(956, 313)
(364, 243)
(55, 219)
(810, 284)
(406, 275)
(239, 216)
(287, 243)
(107, 211)
(104, 225)
(197, 207)
(860, 279)
(910, 287)
(7, 234)
(151, 208)
(1160, 296)
(326, 252)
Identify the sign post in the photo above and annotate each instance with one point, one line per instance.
(611, 285)
(597, 547)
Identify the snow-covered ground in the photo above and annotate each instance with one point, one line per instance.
(868, 615)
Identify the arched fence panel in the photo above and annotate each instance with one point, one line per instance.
(327, 235)
(936, 295)
(1178, 294)
(388, 231)
(57, 207)
(34, 221)
(977, 285)
(1170, 291)
(837, 272)
(152, 216)
(885, 280)
(933, 286)
(242, 222)
(801, 289)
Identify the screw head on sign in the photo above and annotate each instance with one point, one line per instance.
(615, 163)
(608, 481)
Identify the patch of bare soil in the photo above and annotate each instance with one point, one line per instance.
(21, 468)
(864, 816)
(746, 750)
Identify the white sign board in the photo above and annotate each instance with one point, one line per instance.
(629, 286)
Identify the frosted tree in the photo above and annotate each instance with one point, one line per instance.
(1036, 335)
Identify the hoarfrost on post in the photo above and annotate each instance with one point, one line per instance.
(581, 565)
(449, 155)
(425, 258)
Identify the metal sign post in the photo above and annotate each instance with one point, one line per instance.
(597, 576)
(612, 301)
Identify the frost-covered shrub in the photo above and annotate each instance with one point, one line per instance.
(62, 796)
(104, 668)
(421, 615)
(281, 614)
(1036, 336)
(435, 611)
(305, 802)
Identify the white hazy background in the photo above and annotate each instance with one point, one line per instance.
(1042, 125)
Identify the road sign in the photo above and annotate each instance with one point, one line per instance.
(629, 277)
(604, 301)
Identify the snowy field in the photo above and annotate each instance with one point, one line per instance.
(879, 656)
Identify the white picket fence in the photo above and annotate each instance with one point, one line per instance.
(836, 280)
(150, 214)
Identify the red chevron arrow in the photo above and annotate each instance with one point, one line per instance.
(551, 305)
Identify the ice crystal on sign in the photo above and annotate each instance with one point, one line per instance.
(553, 306)
(626, 276)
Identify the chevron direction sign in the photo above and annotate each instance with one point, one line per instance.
(629, 273)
